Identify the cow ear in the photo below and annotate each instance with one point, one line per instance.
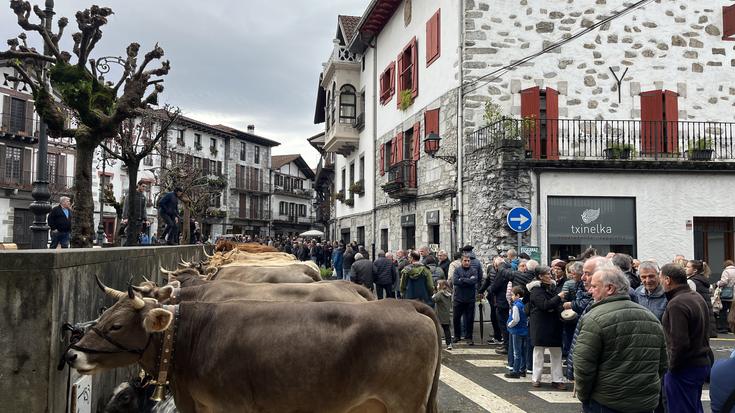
(157, 320)
(164, 293)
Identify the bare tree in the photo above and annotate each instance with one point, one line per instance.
(99, 106)
(136, 139)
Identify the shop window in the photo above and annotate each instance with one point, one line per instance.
(387, 83)
(659, 121)
(433, 38)
(540, 125)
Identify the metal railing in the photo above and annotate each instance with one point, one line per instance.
(302, 193)
(261, 215)
(293, 219)
(24, 181)
(554, 139)
(245, 184)
(404, 173)
(18, 125)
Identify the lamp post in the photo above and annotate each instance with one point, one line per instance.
(100, 226)
(431, 147)
(40, 193)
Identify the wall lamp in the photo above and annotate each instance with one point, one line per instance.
(431, 147)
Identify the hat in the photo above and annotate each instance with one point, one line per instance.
(358, 256)
(568, 315)
(558, 263)
(467, 248)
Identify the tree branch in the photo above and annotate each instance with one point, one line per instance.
(27, 78)
(111, 153)
(13, 54)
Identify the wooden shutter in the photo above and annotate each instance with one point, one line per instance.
(398, 149)
(416, 141)
(433, 38)
(238, 176)
(383, 87)
(382, 159)
(2, 162)
(61, 170)
(429, 40)
(415, 68)
(219, 168)
(398, 80)
(728, 22)
(552, 124)
(671, 116)
(6, 114)
(531, 109)
(27, 166)
(29, 118)
(431, 122)
(652, 116)
(392, 79)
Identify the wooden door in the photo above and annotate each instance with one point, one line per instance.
(552, 124)
(530, 114)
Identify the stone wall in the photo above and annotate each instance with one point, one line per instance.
(351, 222)
(668, 44)
(41, 290)
(491, 189)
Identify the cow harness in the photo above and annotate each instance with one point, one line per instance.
(165, 356)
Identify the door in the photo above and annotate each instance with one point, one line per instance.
(530, 114)
(22, 221)
(409, 238)
(713, 243)
(552, 124)
(108, 223)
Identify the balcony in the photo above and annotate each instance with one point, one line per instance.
(615, 140)
(293, 219)
(401, 180)
(295, 192)
(340, 137)
(18, 127)
(253, 214)
(341, 59)
(58, 185)
(251, 185)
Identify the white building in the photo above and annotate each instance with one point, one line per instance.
(292, 201)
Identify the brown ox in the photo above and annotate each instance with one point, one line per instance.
(232, 290)
(247, 270)
(227, 245)
(386, 352)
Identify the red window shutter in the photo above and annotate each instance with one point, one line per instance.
(399, 83)
(433, 38)
(392, 76)
(552, 124)
(671, 115)
(399, 147)
(383, 89)
(728, 22)
(416, 141)
(531, 109)
(431, 121)
(382, 159)
(429, 40)
(415, 68)
(652, 116)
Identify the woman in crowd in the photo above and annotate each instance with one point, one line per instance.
(546, 326)
(698, 276)
(726, 281)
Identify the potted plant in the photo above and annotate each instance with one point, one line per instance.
(198, 146)
(358, 187)
(340, 196)
(618, 150)
(213, 150)
(349, 202)
(405, 99)
(700, 149)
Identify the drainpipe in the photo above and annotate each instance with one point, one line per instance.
(460, 132)
(538, 212)
(376, 167)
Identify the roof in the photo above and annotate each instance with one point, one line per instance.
(348, 25)
(278, 161)
(247, 136)
(376, 16)
(317, 142)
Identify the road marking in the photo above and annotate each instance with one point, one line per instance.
(556, 396)
(494, 363)
(476, 393)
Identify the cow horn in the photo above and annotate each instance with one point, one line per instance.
(184, 262)
(138, 302)
(109, 291)
(145, 278)
(165, 271)
(205, 252)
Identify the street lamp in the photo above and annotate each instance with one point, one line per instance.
(100, 226)
(40, 206)
(431, 147)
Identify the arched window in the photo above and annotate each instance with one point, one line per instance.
(347, 104)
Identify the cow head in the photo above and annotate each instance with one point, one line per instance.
(184, 276)
(121, 335)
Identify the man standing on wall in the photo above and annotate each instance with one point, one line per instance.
(59, 220)
(140, 220)
(168, 207)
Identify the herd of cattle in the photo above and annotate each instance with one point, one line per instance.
(255, 330)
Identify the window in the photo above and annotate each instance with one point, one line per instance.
(148, 160)
(408, 74)
(282, 208)
(197, 163)
(279, 180)
(243, 150)
(433, 38)
(384, 239)
(53, 167)
(331, 102)
(214, 200)
(179, 137)
(257, 154)
(387, 83)
(352, 173)
(728, 22)
(212, 144)
(362, 168)
(347, 104)
(302, 210)
(344, 180)
(17, 115)
(361, 235)
(198, 141)
(327, 109)
(13, 162)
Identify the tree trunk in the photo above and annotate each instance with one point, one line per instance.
(82, 226)
(132, 231)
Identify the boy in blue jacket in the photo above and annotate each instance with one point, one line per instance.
(518, 331)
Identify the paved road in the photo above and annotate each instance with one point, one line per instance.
(472, 382)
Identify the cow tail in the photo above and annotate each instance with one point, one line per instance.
(431, 406)
(365, 293)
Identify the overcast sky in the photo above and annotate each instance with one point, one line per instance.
(232, 62)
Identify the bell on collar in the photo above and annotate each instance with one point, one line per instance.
(159, 393)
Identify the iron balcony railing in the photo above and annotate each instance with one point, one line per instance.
(401, 175)
(252, 185)
(553, 139)
(261, 215)
(12, 124)
(24, 181)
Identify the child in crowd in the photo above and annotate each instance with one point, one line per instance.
(443, 300)
(518, 331)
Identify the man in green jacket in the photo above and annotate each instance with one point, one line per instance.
(620, 356)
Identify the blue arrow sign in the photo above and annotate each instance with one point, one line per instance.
(519, 219)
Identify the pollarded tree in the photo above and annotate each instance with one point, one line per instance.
(136, 139)
(98, 106)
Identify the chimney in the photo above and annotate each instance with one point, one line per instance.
(251, 128)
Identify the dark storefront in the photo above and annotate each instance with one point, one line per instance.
(576, 223)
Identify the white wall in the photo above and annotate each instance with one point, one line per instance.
(664, 203)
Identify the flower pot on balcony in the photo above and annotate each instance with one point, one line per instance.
(357, 188)
(349, 202)
(701, 154)
(617, 153)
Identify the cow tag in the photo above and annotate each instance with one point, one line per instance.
(157, 320)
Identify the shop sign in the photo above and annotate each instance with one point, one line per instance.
(591, 219)
(532, 251)
(432, 217)
(408, 220)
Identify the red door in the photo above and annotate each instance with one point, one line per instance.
(652, 110)
(671, 114)
(552, 124)
(530, 114)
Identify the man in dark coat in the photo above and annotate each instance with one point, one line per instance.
(545, 326)
(465, 280)
(384, 275)
(686, 325)
(59, 220)
(348, 258)
(168, 207)
(497, 288)
(362, 270)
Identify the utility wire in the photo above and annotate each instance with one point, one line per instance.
(496, 74)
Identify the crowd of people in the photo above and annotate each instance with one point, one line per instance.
(629, 335)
